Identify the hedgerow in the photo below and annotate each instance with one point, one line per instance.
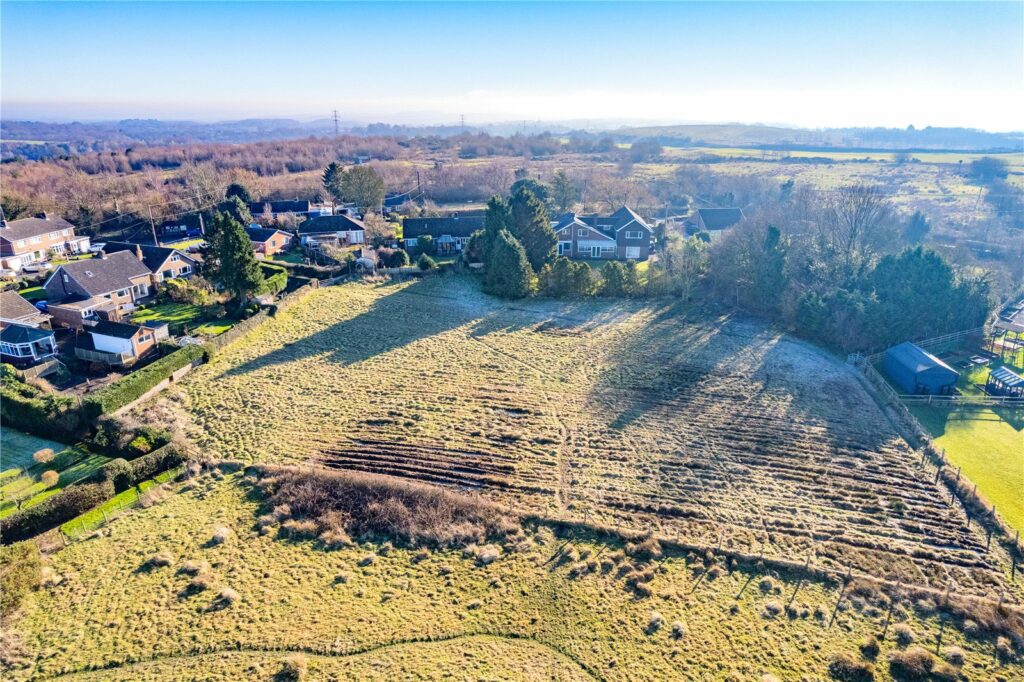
(64, 506)
(35, 411)
(134, 385)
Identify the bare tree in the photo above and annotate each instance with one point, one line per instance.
(858, 222)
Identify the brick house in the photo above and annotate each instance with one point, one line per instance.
(30, 240)
(623, 235)
(107, 286)
(340, 230)
(163, 262)
(450, 234)
(115, 343)
(268, 241)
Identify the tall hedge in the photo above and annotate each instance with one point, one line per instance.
(134, 385)
(69, 503)
(27, 408)
(275, 279)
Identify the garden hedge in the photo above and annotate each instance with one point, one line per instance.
(35, 411)
(275, 279)
(69, 503)
(134, 385)
(113, 477)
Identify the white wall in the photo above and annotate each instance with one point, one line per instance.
(112, 344)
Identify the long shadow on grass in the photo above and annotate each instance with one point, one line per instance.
(399, 318)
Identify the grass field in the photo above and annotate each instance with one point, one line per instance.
(548, 607)
(21, 478)
(989, 445)
(644, 416)
(33, 293)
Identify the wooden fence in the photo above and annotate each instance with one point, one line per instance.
(43, 369)
(936, 342)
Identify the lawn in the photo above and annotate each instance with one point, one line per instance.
(184, 244)
(550, 606)
(989, 445)
(294, 257)
(21, 481)
(183, 316)
(34, 294)
(631, 413)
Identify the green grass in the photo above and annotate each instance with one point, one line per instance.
(538, 604)
(61, 261)
(294, 257)
(184, 316)
(989, 445)
(127, 498)
(184, 244)
(21, 477)
(34, 294)
(17, 448)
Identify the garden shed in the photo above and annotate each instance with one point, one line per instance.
(918, 372)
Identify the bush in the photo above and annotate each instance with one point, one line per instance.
(69, 503)
(678, 630)
(160, 559)
(275, 279)
(915, 663)
(37, 412)
(849, 668)
(134, 386)
(425, 263)
(904, 635)
(293, 668)
(869, 647)
(654, 622)
(220, 535)
(20, 573)
(44, 456)
(369, 504)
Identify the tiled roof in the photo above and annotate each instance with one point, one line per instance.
(102, 275)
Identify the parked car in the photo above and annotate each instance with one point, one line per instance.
(196, 248)
(37, 267)
(96, 248)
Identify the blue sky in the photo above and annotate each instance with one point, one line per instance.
(809, 64)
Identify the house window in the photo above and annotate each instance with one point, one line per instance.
(35, 240)
(186, 270)
(582, 232)
(144, 338)
(633, 252)
(175, 257)
(634, 234)
(66, 233)
(21, 242)
(122, 292)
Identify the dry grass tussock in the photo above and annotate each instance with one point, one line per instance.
(338, 504)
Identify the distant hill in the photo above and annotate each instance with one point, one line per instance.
(737, 135)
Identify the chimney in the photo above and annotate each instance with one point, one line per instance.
(43, 215)
(102, 255)
(138, 252)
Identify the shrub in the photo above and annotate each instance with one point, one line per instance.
(904, 635)
(654, 622)
(226, 597)
(44, 456)
(293, 668)
(767, 585)
(772, 609)
(487, 554)
(869, 647)
(298, 529)
(20, 573)
(425, 263)
(678, 630)
(846, 667)
(371, 504)
(134, 385)
(220, 535)
(36, 411)
(193, 567)
(160, 560)
(200, 583)
(648, 550)
(954, 655)
(49, 478)
(1004, 649)
(69, 503)
(915, 663)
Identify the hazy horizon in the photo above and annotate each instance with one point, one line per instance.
(807, 66)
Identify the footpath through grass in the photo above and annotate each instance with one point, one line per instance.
(257, 596)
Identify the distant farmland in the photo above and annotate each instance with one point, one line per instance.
(718, 431)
